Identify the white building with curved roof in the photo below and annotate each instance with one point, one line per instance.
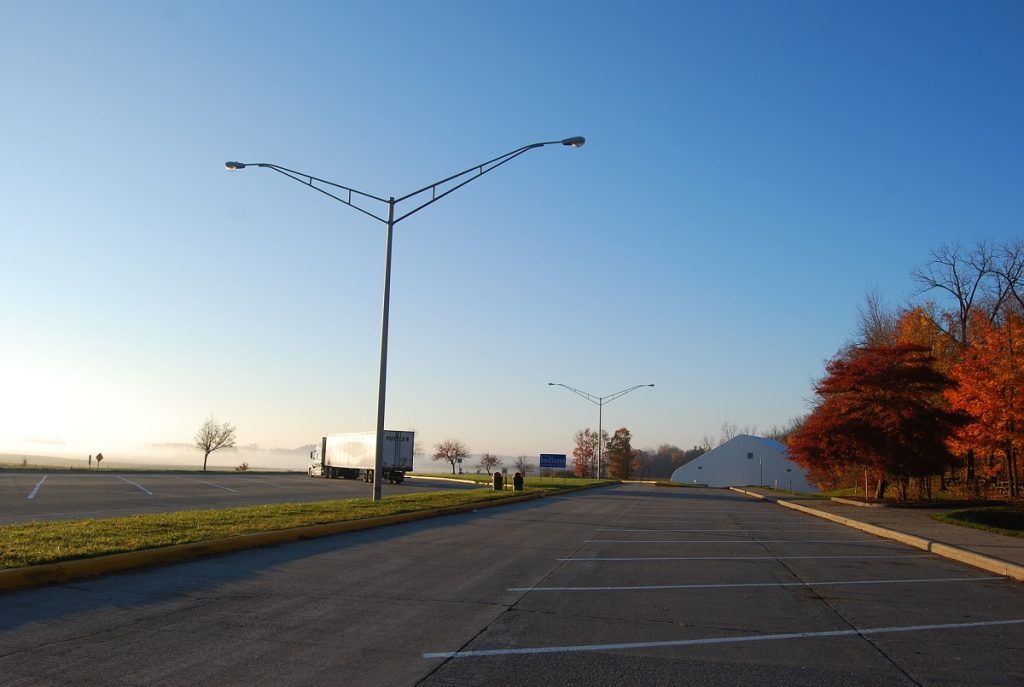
(745, 460)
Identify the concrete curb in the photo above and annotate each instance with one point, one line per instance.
(978, 560)
(859, 504)
(50, 573)
(754, 494)
(446, 479)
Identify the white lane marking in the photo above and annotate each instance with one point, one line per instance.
(219, 486)
(731, 541)
(742, 558)
(736, 585)
(717, 640)
(135, 485)
(36, 489)
(730, 531)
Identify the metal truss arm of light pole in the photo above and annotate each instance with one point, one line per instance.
(599, 400)
(349, 195)
(477, 171)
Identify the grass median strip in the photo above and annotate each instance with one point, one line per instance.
(36, 543)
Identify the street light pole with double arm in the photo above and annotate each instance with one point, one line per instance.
(599, 401)
(353, 198)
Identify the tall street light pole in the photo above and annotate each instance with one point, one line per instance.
(599, 401)
(354, 198)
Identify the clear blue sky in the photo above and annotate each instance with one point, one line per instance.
(752, 168)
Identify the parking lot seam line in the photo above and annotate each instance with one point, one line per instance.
(259, 481)
(35, 490)
(738, 585)
(978, 560)
(135, 485)
(64, 571)
(745, 558)
(482, 653)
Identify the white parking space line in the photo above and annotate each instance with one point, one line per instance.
(743, 558)
(36, 489)
(219, 486)
(738, 585)
(718, 640)
(134, 484)
(727, 531)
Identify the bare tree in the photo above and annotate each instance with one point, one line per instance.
(1010, 271)
(489, 461)
(781, 434)
(213, 437)
(522, 465)
(969, 277)
(450, 450)
(878, 323)
(705, 444)
(727, 431)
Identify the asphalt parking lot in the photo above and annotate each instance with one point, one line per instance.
(627, 585)
(26, 496)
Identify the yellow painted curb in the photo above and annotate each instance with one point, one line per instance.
(49, 573)
(750, 493)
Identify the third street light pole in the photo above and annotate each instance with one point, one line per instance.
(353, 198)
(599, 401)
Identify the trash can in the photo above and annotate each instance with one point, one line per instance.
(517, 482)
(499, 482)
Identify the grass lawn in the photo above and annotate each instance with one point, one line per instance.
(1008, 520)
(34, 543)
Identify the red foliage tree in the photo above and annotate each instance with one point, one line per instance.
(880, 408)
(584, 455)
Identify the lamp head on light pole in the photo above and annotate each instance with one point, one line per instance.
(574, 141)
(232, 166)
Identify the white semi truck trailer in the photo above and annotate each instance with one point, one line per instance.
(353, 455)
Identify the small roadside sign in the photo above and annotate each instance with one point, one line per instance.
(552, 460)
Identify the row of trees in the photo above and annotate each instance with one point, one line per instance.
(453, 451)
(931, 388)
(618, 458)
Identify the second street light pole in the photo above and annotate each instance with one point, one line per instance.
(599, 401)
(353, 198)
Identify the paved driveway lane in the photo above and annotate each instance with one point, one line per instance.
(100, 494)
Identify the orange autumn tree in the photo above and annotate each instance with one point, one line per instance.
(990, 388)
(880, 408)
(621, 458)
(918, 326)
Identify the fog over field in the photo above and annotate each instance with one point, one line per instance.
(164, 456)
